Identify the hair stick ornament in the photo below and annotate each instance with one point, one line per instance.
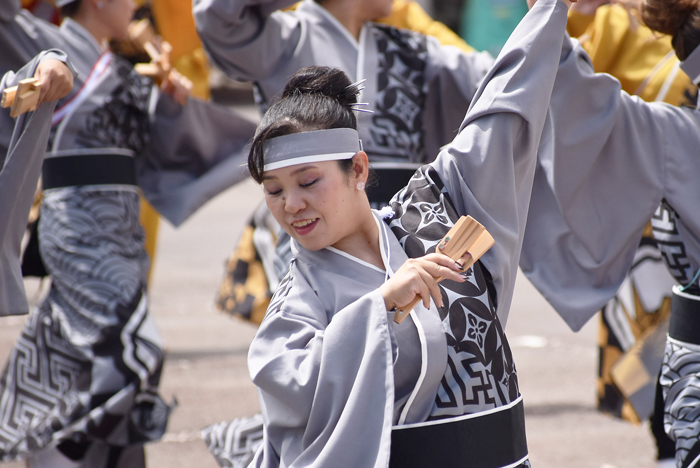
(467, 235)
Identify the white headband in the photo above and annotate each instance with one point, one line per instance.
(62, 3)
(306, 147)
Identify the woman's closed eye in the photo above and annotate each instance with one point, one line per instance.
(273, 190)
(309, 183)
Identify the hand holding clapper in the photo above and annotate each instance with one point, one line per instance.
(466, 236)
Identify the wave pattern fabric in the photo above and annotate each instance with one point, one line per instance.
(680, 379)
(88, 362)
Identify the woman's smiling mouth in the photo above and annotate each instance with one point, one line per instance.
(304, 226)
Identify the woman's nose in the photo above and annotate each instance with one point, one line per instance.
(293, 203)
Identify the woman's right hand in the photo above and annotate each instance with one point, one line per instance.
(418, 277)
(55, 78)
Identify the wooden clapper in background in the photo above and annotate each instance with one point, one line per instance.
(23, 98)
(467, 235)
(142, 34)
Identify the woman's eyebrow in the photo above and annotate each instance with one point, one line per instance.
(302, 169)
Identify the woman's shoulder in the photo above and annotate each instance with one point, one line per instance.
(296, 297)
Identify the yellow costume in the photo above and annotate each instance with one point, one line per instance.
(643, 61)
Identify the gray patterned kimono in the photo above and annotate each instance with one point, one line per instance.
(611, 163)
(334, 372)
(87, 365)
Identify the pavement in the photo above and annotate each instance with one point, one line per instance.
(206, 356)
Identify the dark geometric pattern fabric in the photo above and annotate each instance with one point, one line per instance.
(397, 121)
(122, 121)
(234, 443)
(670, 243)
(680, 380)
(88, 362)
(480, 372)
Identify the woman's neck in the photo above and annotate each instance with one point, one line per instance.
(364, 242)
(93, 26)
(347, 13)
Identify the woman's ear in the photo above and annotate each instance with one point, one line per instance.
(360, 166)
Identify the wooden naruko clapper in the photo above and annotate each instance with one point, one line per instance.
(23, 98)
(467, 235)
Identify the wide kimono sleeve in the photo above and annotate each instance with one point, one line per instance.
(195, 152)
(606, 164)
(20, 169)
(325, 384)
(247, 39)
(488, 169)
(22, 37)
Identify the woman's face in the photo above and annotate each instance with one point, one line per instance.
(116, 16)
(317, 204)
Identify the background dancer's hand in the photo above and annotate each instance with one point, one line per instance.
(55, 78)
(418, 277)
(177, 86)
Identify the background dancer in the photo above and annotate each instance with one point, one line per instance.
(644, 62)
(641, 159)
(114, 131)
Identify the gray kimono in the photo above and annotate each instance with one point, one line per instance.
(611, 163)
(419, 90)
(20, 169)
(334, 372)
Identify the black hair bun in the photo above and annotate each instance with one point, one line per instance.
(323, 81)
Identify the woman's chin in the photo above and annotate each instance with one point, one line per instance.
(310, 244)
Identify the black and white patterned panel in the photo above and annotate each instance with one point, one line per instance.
(122, 120)
(680, 380)
(480, 372)
(234, 443)
(397, 122)
(670, 243)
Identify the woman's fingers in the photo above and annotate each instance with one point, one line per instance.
(419, 277)
(442, 266)
(55, 78)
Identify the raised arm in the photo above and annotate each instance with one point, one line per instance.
(247, 39)
(489, 167)
(608, 161)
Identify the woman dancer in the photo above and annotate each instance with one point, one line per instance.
(335, 374)
(88, 361)
(644, 62)
(615, 162)
(417, 89)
